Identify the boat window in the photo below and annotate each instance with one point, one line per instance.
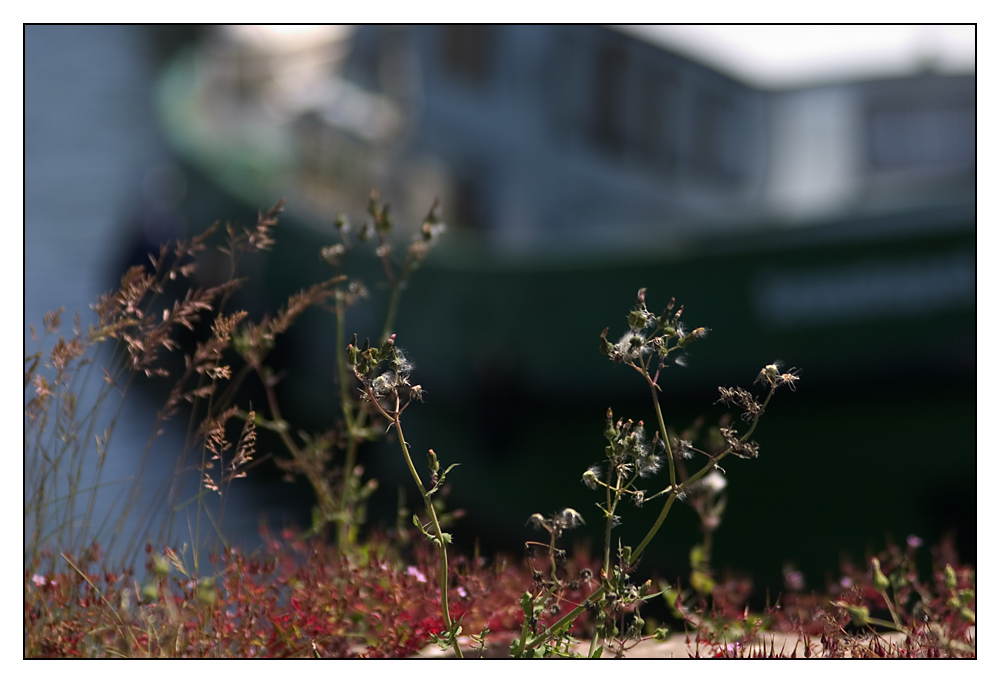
(467, 52)
(938, 137)
(656, 119)
(609, 104)
(715, 153)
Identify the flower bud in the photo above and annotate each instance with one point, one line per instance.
(160, 566)
(859, 614)
(688, 338)
(206, 591)
(879, 580)
(636, 321)
(610, 432)
(384, 223)
(149, 593)
(607, 348)
(387, 346)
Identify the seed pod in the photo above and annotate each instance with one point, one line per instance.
(879, 580)
(950, 580)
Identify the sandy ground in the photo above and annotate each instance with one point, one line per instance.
(677, 646)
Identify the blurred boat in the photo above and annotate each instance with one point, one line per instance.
(833, 226)
(783, 220)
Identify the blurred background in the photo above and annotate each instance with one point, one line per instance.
(807, 193)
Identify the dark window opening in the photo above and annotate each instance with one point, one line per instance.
(565, 79)
(609, 105)
(651, 134)
(469, 211)
(466, 52)
(714, 155)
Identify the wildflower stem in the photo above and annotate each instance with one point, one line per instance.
(341, 372)
(895, 618)
(675, 489)
(656, 526)
(607, 526)
(663, 429)
(345, 406)
(611, 505)
(122, 625)
(390, 317)
(437, 527)
(562, 623)
(715, 459)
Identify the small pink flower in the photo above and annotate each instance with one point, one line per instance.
(417, 574)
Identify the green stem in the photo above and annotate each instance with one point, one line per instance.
(390, 318)
(673, 473)
(567, 619)
(663, 429)
(611, 506)
(895, 618)
(691, 480)
(715, 459)
(437, 529)
(341, 374)
(656, 526)
(607, 527)
(342, 377)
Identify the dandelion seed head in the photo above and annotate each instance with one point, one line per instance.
(631, 345)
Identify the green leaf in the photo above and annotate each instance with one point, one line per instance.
(444, 474)
(526, 603)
